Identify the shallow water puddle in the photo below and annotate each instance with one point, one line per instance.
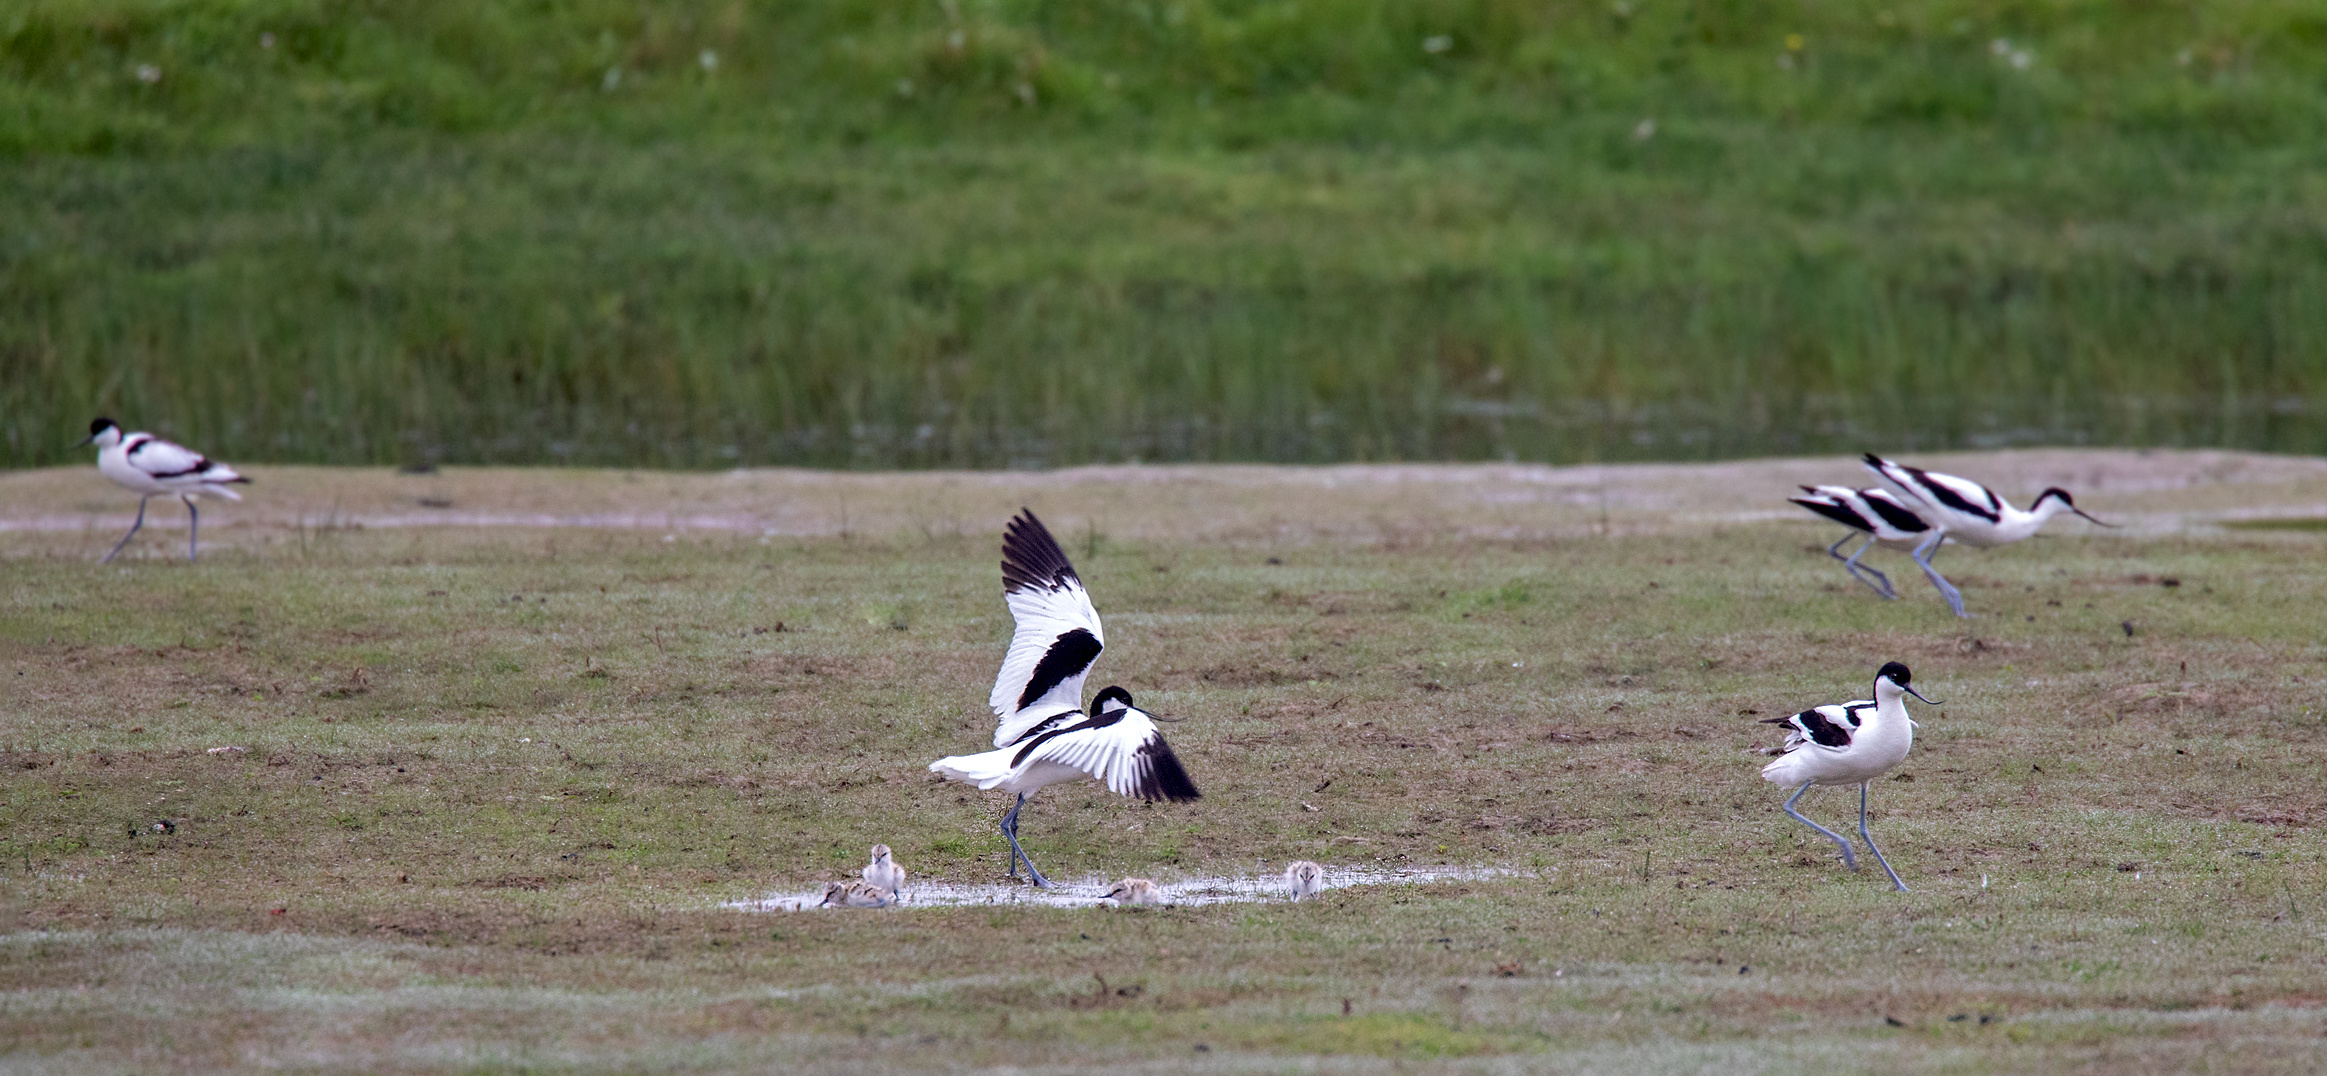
(1092, 893)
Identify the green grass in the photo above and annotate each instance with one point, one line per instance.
(1206, 229)
(497, 783)
(2293, 524)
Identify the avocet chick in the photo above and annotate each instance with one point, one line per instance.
(1136, 891)
(883, 873)
(1305, 879)
(853, 895)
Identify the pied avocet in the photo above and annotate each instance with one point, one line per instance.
(147, 466)
(1044, 737)
(853, 895)
(1135, 891)
(1875, 513)
(1850, 743)
(1964, 510)
(883, 873)
(1304, 879)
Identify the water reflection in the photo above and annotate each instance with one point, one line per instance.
(1452, 428)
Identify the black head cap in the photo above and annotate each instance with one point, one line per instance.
(2056, 491)
(1895, 673)
(100, 425)
(1111, 694)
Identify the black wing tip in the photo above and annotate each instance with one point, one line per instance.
(1834, 512)
(1873, 460)
(1030, 556)
(1166, 779)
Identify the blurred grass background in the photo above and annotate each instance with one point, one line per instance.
(1039, 232)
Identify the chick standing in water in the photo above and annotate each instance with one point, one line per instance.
(883, 873)
(1305, 879)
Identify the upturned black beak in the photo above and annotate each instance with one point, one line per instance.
(1910, 689)
(2089, 519)
(1153, 716)
(85, 441)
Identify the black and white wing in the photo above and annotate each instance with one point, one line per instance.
(1057, 638)
(1833, 502)
(1943, 491)
(1893, 512)
(162, 460)
(1121, 748)
(1831, 725)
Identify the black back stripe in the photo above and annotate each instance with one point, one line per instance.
(1099, 722)
(1948, 497)
(1031, 557)
(139, 444)
(1835, 512)
(1069, 656)
(1823, 732)
(1897, 515)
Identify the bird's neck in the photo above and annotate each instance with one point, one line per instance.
(1890, 711)
(2017, 524)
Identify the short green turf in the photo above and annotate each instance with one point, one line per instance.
(496, 785)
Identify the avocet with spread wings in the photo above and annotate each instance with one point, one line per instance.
(1044, 735)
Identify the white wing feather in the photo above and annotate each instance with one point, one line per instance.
(1054, 615)
(1110, 754)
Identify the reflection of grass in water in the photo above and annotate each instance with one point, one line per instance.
(2303, 523)
(498, 232)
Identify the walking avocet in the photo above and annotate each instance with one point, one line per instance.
(883, 873)
(1135, 891)
(1847, 744)
(147, 466)
(1043, 735)
(1304, 879)
(1882, 518)
(853, 895)
(1967, 512)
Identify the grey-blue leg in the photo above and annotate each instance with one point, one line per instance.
(1947, 590)
(193, 527)
(132, 531)
(1849, 858)
(1017, 854)
(1870, 842)
(1860, 571)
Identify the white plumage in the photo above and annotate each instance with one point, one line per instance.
(1042, 735)
(1965, 511)
(1136, 891)
(1875, 513)
(149, 466)
(1304, 880)
(883, 873)
(1849, 743)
